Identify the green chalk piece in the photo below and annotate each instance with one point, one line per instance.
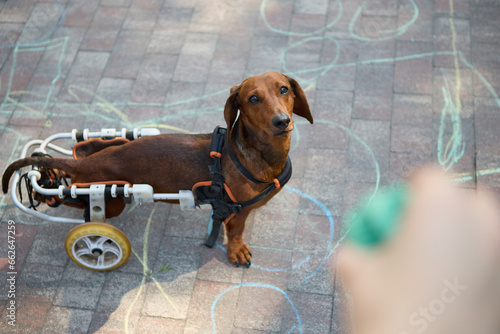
(373, 222)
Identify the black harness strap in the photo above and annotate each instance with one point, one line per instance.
(216, 195)
(282, 179)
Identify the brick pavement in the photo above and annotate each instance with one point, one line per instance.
(392, 85)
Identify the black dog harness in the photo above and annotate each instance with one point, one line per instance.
(217, 193)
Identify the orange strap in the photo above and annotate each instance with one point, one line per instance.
(107, 183)
(228, 191)
(215, 154)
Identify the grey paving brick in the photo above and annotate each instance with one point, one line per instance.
(17, 11)
(317, 313)
(80, 13)
(61, 319)
(413, 75)
(485, 27)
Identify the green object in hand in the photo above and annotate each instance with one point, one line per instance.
(376, 220)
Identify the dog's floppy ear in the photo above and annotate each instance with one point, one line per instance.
(301, 106)
(231, 107)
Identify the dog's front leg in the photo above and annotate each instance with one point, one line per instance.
(238, 252)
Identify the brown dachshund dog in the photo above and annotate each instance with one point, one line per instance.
(259, 138)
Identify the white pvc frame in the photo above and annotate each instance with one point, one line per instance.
(143, 193)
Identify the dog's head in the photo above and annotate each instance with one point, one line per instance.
(266, 104)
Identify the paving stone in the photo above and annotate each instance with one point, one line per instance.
(381, 8)
(314, 232)
(260, 307)
(9, 32)
(413, 75)
(307, 23)
(48, 246)
(83, 76)
(270, 266)
(205, 300)
(315, 315)
(406, 138)
(80, 13)
(342, 74)
(421, 29)
(160, 325)
(113, 90)
(31, 314)
(274, 230)
(142, 15)
(354, 193)
(116, 3)
(447, 82)
(375, 28)
(171, 296)
(376, 107)
(340, 318)
(120, 302)
(460, 7)
(61, 319)
(166, 41)
(486, 118)
(126, 58)
(104, 29)
(311, 7)
(484, 62)
(171, 17)
(402, 164)
(24, 236)
(485, 27)
(313, 272)
(244, 20)
(368, 148)
(216, 268)
(39, 279)
(277, 15)
(443, 41)
(265, 54)
(372, 52)
(374, 79)
(208, 16)
(413, 110)
(17, 11)
(302, 56)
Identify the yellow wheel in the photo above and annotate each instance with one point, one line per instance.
(97, 246)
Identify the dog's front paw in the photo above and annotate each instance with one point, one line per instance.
(239, 254)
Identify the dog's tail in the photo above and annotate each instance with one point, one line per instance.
(66, 165)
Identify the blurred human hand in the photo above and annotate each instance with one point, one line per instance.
(439, 272)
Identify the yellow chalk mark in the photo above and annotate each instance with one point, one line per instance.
(146, 273)
(25, 107)
(165, 126)
(464, 177)
(311, 86)
(144, 268)
(104, 104)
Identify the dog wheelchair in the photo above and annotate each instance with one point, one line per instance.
(93, 243)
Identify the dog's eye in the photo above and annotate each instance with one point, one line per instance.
(253, 99)
(284, 90)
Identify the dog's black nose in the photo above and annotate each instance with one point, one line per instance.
(281, 121)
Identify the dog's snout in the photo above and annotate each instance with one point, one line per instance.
(281, 121)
